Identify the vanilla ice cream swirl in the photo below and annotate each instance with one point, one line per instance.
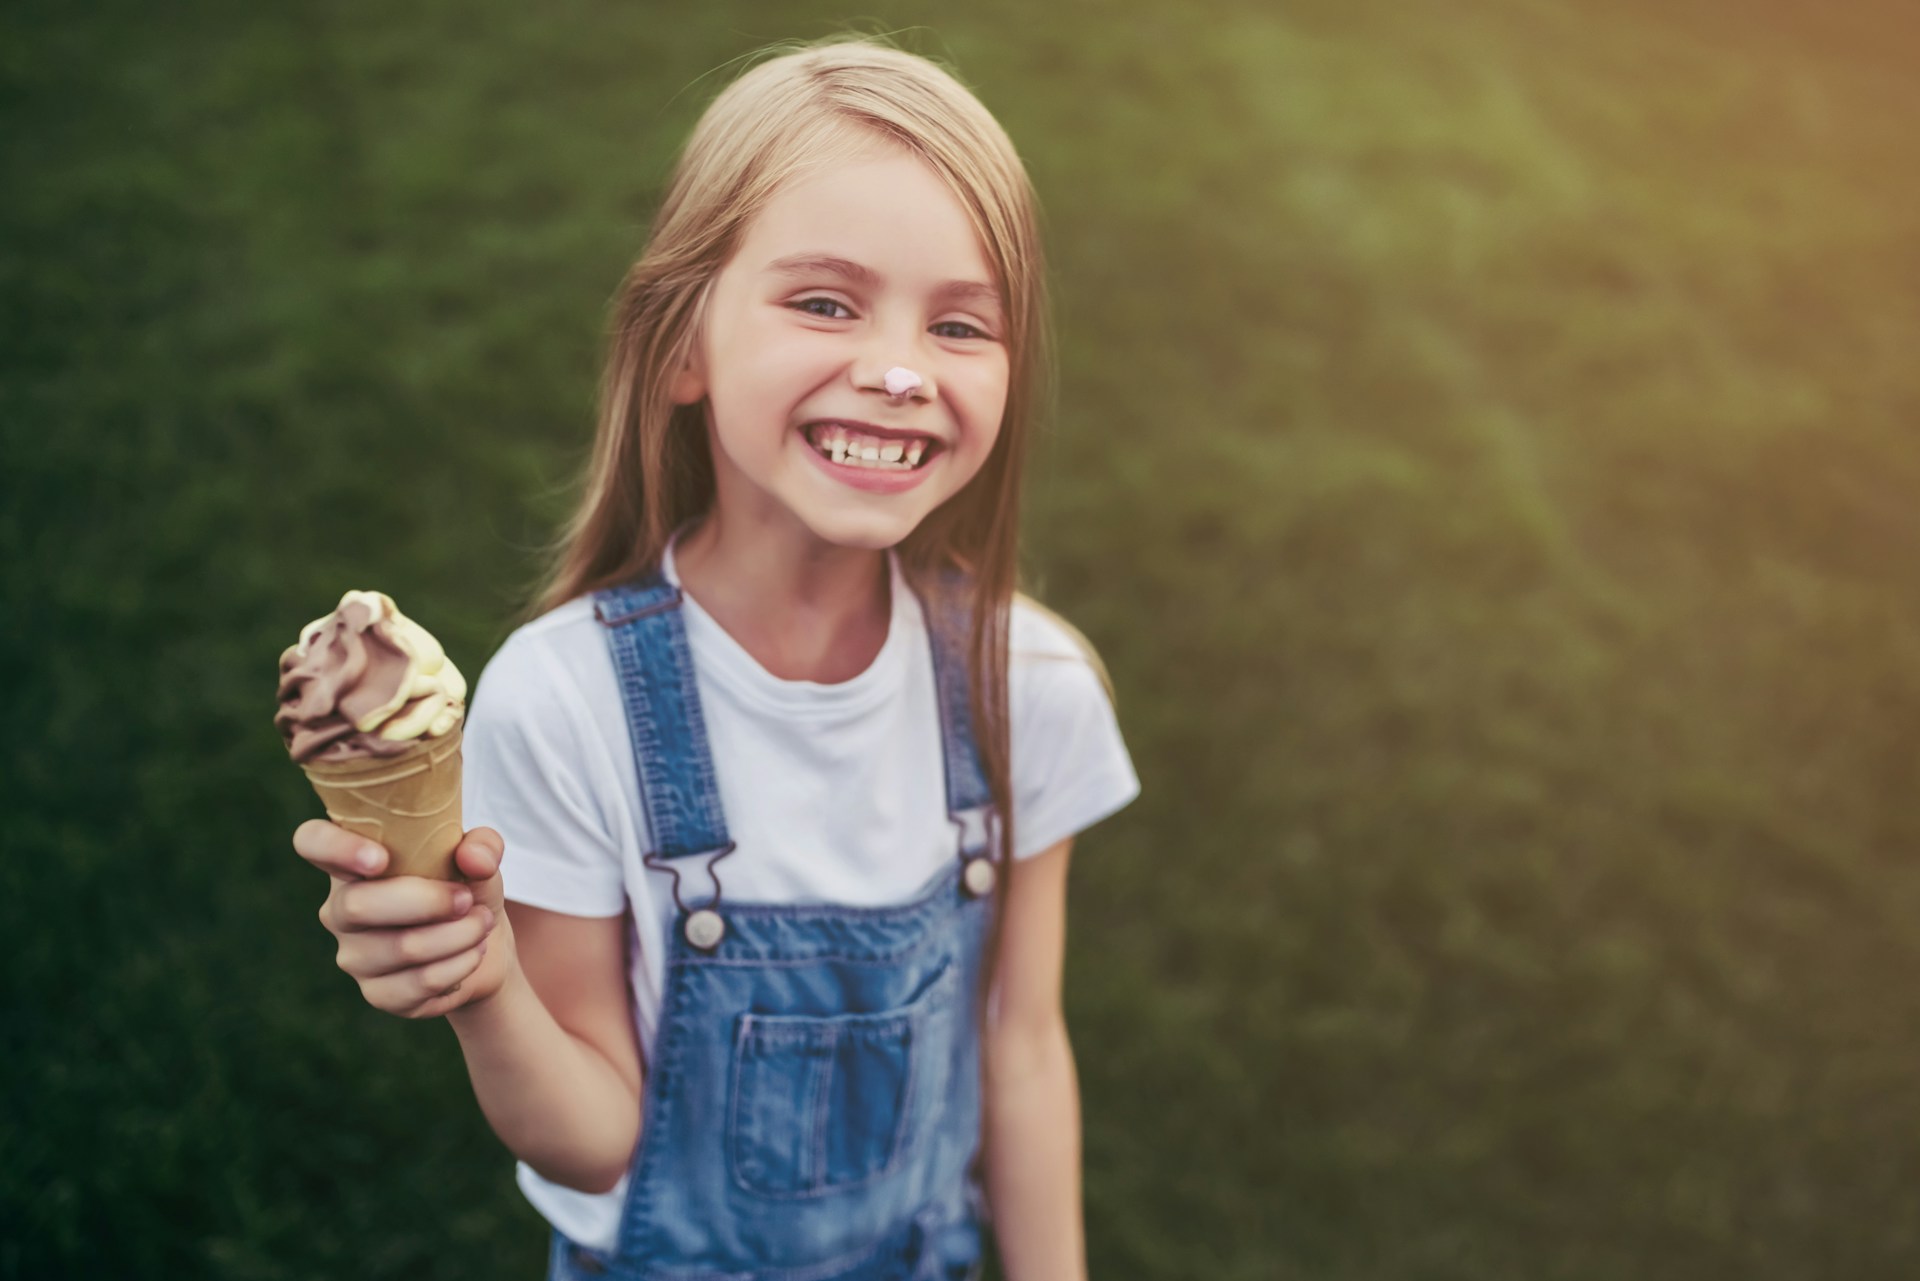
(366, 680)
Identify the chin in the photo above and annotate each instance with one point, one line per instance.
(865, 531)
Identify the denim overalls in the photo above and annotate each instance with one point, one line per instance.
(812, 1110)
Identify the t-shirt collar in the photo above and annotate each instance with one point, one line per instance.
(726, 662)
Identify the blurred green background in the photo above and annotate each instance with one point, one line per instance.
(1485, 458)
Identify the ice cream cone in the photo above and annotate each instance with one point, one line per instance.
(409, 803)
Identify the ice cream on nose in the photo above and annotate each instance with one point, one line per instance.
(901, 380)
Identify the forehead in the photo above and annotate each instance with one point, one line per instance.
(884, 208)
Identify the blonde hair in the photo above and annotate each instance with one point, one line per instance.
(651, 470)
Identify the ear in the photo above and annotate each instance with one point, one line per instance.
(690, 382)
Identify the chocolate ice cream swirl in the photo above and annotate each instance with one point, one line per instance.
(365, 681)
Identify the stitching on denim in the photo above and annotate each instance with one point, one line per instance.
(822, 1080)
(905, 1127)
(662, 700)
(742, 956)
(913, 1127)
(634, 602)
(937, 992)
(743, 1028)
(934, 1000)
(706, 795)
(966, 787)
(655, 1107)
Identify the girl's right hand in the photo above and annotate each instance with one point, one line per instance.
(417, 947)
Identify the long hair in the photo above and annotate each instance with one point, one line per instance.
(651, 469)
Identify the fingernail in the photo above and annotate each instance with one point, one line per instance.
(367, 859)
(462, 900)
(486, 918)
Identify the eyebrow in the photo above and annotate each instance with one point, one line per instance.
(861, 274)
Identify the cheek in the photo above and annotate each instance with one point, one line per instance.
(759, 373)
(771, 360)
(982, 392)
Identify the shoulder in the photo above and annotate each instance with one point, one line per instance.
(541, 767)
(1058, 690)
(1042, 643)
(1069, 760)
(544, 669)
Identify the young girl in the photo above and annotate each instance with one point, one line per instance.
(781, 783)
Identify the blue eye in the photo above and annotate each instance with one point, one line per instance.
(965, 330)
(821, 307)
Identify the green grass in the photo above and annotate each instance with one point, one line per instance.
(1484, 459)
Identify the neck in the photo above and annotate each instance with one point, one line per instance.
(805, 609)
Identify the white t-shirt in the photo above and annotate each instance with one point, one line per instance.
(832, 793)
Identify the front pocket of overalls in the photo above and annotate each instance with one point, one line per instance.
(823, 1105)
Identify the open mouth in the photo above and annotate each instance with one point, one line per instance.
(850, 447)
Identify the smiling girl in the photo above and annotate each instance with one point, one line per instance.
(758, 965)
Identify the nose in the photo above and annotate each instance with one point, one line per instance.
(900, 382)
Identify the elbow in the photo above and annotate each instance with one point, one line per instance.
(593, 1172)
(603, 1175)
(602, 1181)
(593, 1179)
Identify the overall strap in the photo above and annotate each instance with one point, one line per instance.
(969, 802)
(648, 637)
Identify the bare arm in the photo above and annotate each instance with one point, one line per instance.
(538, 999)
(1032, 1094)
(552, 1055)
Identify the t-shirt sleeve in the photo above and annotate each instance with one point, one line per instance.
(1070, 764)
(527, 776)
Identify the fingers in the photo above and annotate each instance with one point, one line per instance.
(410, 942)
(447, 1002)
(479, 853)
(390, 904)
(415, 992)
(378, 953)
(338, 852)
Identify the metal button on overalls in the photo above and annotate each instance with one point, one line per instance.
(705, 929)
(978, 877)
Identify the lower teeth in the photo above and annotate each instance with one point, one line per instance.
(871, 464)
(874, 465)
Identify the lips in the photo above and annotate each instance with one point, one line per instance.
(867, 446)
(933, 442)
(877, 475)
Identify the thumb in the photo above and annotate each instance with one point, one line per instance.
(477, 858)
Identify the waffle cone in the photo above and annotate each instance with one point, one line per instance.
(409, 803)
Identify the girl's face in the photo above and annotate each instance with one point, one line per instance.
(852, 270)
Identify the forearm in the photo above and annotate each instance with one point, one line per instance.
(1033, 1156)
(558, 1104)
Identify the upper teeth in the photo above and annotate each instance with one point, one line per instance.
(849, 447)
